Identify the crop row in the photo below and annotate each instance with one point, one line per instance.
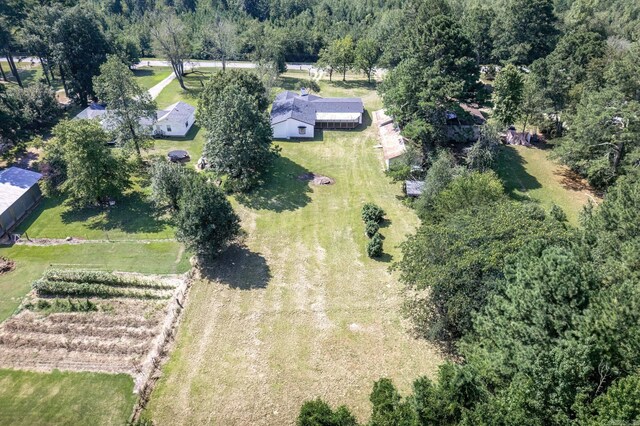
(46, 287)
(102, 277)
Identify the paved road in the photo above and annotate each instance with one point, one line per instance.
(193, 63)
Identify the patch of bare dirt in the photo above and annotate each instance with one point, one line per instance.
(574, 182)
(315, 179)
(6, 265)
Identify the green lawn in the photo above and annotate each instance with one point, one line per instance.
(59, 398)
(174, 93)
(163, 257)
(132, 218)
(528, 172)
(298, 311)
(148, 77)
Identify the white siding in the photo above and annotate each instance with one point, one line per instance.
(290, 129)
(177, 129)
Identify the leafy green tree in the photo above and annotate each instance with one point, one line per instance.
(604, 139)
(319, 413)
(387, 406)
(80, 49)
(344, 51)
(442, 172)
(449, 267)
(483, 153)
(508, 93)
(238, 141)
(327, 60)
(132, 111)
(618, 405)
(8, 46)
(93, 172)
(168, 182)
(213, 89)
(221, 40)
(367, 56)
(170, 40)
(524, 31)
(205, 221)
(38, 36)
(476, 23)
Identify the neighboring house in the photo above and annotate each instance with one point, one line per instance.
(175, 120)
(392, 142)
(297, 116)
(19, 193)
(464, 125)
(413, 188)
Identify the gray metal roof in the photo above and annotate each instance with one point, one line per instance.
(414, 187)
(304, 107)
(180, 111)
(14, 182)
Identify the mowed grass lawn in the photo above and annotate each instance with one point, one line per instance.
(33, 399)
(529, 172)
(299, 311)
(147, 77)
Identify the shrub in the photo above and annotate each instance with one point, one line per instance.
(558, 214)
(372, 213)
(45, 287)
(374, 246)
(102, 277)
(371, 228)
(64, 305)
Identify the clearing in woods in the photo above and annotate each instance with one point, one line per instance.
(299, 311)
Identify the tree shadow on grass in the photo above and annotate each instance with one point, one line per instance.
(134, 213)
(353, 84)
(289, 83)
(239, 268)
(282, 191)
(384, 258)
(510, 168)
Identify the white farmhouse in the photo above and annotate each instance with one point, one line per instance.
(175, 120)
(297, 116)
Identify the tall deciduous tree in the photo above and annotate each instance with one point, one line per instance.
(238, 143)
(93, 172)
(205, 220)
(220, 40)
(507, 95)
(132, 112)
(367, 56)
(80, 49)
(170, 40)
(344, 51)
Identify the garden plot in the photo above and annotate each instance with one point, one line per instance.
(93, 321)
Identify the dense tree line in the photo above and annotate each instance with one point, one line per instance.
(551, 323)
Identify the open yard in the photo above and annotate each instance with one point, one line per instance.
(299, 311)
(528, 172)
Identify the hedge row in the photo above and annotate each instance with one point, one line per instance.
(372, 215)
(46, 287)
(101, 277)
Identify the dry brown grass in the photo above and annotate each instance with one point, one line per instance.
(299, 312)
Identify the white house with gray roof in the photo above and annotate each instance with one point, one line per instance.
(175, 120)
(297, 116)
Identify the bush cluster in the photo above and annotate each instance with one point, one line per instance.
(102, 277)
(372, 215)
(46, 287)
(64, 305)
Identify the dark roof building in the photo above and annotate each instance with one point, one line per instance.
(291, 113)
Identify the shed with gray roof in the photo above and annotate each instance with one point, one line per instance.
(19, 193)
(298, 115)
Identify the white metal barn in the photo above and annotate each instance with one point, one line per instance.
(297, 116)
(175, 120)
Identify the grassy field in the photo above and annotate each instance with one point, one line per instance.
(299, 311)
(148, 77)
(34, 399)
(528, 172)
